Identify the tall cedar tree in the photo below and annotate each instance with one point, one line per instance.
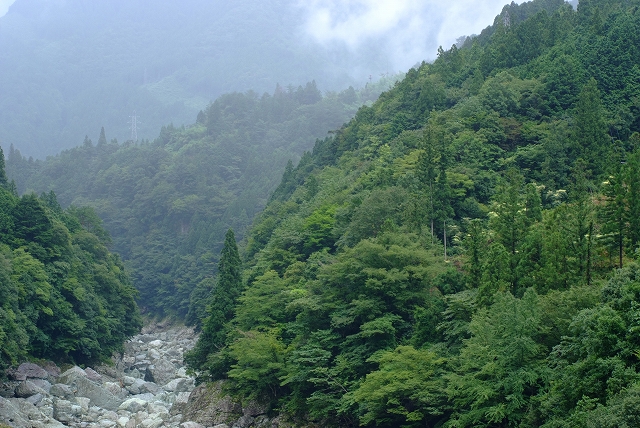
(4, 182)
(221, 307)
(591, 131)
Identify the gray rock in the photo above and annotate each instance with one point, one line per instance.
(209, 406)
(61, 390)
(92, 374)
(122, 421)
(134, 405)
(152, 423)
(83, 402)
(19, 413)
(115, 389)
(28, 388)
(147, 396)
(73, 372)
(244, 422)
(150, 387)
(52, 369)
(180, 403)
(84, 387)
(14, 374)
(135, 387)
(128, 380)
(8, 389)
(31, 370)
(161, 372)
(156, 343)
(154, 354)
(35, 399)
(66, 411)
(41, 383)
(191, 424)
(178, 385)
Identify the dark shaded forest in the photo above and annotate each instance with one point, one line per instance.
(63, 295)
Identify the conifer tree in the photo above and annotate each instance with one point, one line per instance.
(632, 179)
(103, 138)
(591, 131)
(4, 182)
(221, 307)
(614, 213)
(426, 174)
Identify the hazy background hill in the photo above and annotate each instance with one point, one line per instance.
(68, 67)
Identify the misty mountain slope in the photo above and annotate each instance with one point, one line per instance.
(71, 66)
(168, 203)
(463, 253)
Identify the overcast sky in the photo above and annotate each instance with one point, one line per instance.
(4, 6)
(410, 28)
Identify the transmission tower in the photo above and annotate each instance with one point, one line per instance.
(133, 121)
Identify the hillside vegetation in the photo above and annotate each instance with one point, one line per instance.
(168, 203)
(63, 295)
(463, 252)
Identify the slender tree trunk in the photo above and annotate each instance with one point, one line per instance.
(445, 240)
(589, 253)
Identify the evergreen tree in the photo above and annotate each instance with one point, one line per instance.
(221, 307)
(426, 174)
(4, 182)
(614, 213)
(632, 179)
(103, 138)
(591, 132)
(510, 221)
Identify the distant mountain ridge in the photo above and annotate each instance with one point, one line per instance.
(72, 66)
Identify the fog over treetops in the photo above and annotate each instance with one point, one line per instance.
(68, 67)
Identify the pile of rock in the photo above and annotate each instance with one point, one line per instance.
(146, 387)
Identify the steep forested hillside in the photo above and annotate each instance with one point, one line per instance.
(168, 203)
(463, 252)
(72, 66)
(63, 295)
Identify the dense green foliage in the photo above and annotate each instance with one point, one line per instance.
(168, 203)
(63, 295)
(77, 67)
(462, 253)
(222, 298)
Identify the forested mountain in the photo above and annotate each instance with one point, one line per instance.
(63, 295)
(463, 252)
(71, 66)
(168, 203)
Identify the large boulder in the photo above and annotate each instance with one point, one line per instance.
(134, 405)
(209, 406)
(31, 370)
(65, 411)
(160, 372)
(83, 387)
(19, 413)
(61, 390)
(28, 388)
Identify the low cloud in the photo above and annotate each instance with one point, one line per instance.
(408, 31)
(4, 6)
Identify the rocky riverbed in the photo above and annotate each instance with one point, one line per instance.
(146, 387)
